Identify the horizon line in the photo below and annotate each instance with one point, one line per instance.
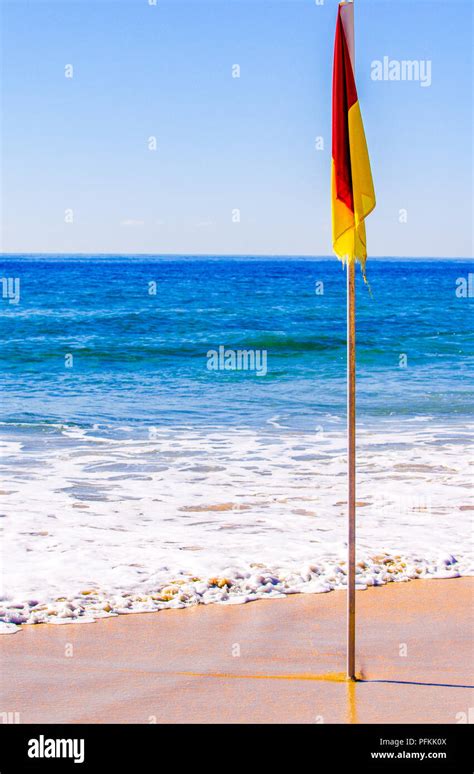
(238, 255)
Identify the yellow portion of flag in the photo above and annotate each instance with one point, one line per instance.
(348, 228)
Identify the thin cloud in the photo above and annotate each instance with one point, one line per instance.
(131, 222)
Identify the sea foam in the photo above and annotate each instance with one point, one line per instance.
(97, 526)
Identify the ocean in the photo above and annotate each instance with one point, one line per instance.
(173, 430)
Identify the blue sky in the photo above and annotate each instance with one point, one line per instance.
(224, 143)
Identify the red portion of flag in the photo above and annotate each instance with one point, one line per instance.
(344, 95)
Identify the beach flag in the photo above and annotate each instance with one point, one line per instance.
(352, 189)
(352, 199)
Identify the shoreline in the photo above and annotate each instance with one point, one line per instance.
(212, 522)
(117, 520)
(278, 662)
(257, 583)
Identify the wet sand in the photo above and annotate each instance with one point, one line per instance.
(278, 661)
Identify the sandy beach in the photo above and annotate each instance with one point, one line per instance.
(278, 661)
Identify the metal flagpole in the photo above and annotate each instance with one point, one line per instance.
(351, 168)
(351, 446)
(351, 469)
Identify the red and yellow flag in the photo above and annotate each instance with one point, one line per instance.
(352, 189)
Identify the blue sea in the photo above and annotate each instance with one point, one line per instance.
(129, 461)
(141, 358)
